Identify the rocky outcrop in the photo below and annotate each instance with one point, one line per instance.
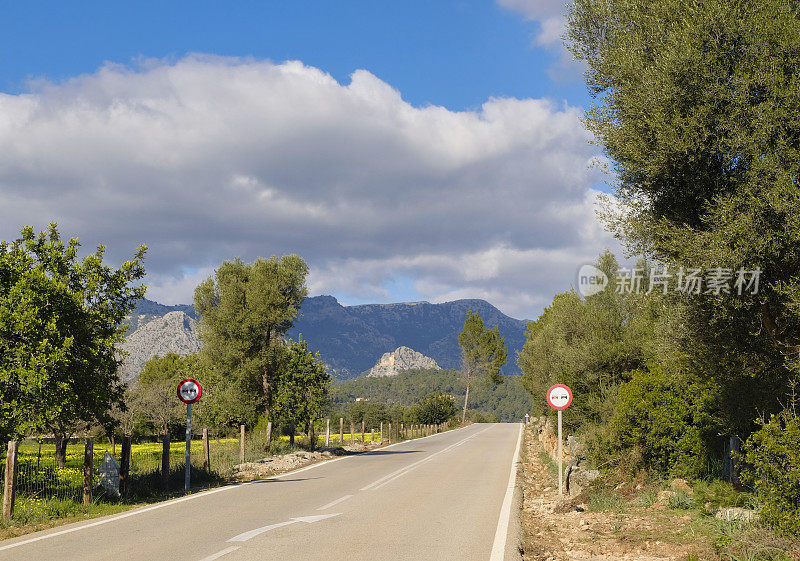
(175, 332)
(350, 338)
(402, 359)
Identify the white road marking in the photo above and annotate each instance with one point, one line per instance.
(219, 554)
(501, 535)
(199, 495)
(334, 503)
(162, 505)
(405, 469)
(243, 537)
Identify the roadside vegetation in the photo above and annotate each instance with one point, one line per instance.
(686, 364)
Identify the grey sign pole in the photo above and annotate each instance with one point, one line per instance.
(188, 446)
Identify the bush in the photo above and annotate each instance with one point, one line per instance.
(660, 420)
(772, 467)
(436, 408)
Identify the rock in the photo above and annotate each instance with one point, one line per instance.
(664, 497)
(681, 485)
(735, 513)
(403, 358)
(578, 478)
(175, 332)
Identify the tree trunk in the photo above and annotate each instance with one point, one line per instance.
(61, 448)
(466, 397)
(265, 384)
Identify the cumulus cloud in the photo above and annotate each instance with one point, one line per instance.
(550, 16)
(209, 158)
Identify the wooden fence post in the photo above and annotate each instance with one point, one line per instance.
(372, 436)
(206, 451)
(88, 461)
(389, 434)
(269, 435)
(125, 465)
(327, 432)
(352, 433)
(362, 433)
(381, 432)
(165, 461)
(10, 484)
(241, 444)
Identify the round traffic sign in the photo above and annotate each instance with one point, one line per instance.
(189, 390)
(559, 397)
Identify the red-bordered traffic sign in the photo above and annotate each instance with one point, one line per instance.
(189, 390)
(559, 397)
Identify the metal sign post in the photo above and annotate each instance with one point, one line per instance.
(559, 397)
(189, 391)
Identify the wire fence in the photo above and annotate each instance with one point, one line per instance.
(39, 475)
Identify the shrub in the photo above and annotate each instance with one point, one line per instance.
(659, 419)
(772, 467)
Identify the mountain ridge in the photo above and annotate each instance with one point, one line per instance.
(351, 339)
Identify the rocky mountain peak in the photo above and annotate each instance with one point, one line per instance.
(403, 358)
(174, 332)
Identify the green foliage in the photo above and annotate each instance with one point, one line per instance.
(772, 459)
(60, 319)
(665, 422)
(371, 413)
(508, 401)
(435, 408)
(483, 353)
(302, 388)
(244, 309)
(699, 110)
(590, 345)
(154, 396)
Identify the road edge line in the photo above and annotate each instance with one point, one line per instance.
(501, 534)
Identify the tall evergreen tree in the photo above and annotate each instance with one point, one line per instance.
(245, 310)
(483, 353)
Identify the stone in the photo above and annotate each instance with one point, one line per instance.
(664, 497)
(735, 513)
(109, 475)
(400, 360)
(681, 485)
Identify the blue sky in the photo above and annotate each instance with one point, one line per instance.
(456, 54)
(415, 150)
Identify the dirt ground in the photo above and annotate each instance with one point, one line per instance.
(567, 529)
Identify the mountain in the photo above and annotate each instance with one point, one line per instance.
(147, 310)
(351, 339)
(402, 359)
(174, 332)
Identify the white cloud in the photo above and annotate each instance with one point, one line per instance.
(210, 158)
(550, 16)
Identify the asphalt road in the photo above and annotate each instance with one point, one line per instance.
(444, 497)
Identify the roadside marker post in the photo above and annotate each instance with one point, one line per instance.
(189, 391)
(559, 397)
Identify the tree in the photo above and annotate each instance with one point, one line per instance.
(436, 408)
(698, 109)
(302, 389)
(371, 413)
(244, 311)
(60, 320)
(155, 393)
(483, 353)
